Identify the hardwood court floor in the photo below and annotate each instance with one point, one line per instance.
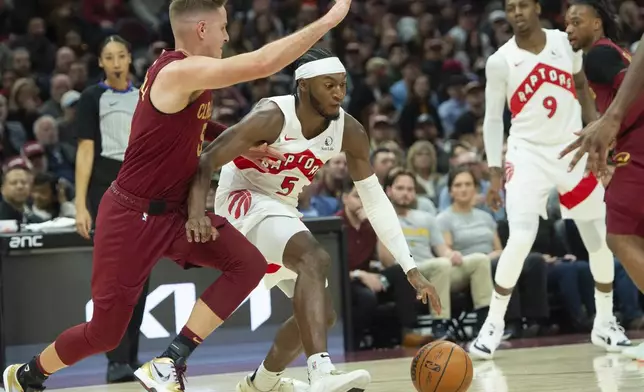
(570, 368)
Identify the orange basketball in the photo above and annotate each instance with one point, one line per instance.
(442, 367)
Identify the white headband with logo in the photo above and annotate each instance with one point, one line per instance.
(327, 66)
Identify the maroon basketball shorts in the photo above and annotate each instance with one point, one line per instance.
(128, 243)
(624, 208)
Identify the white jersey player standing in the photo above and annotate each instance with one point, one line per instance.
(308, 128)
(540, 77)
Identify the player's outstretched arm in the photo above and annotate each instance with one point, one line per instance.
(631, 87)
(378, 208)
(496, 70)
(262, 124)
(196, 73)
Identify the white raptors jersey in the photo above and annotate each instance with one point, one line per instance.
(540, 90)
(304, 157)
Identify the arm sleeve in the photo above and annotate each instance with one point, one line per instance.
(496, 70)
(383, 219)
(603, 65)
(577, 61)
(435, 233)
(87, 122)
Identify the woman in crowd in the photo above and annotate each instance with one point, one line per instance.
(421, 160)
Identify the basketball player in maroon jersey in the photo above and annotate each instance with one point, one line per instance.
(592, 27)
(143, 215)
(306, 117)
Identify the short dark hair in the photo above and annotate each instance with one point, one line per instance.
(182, 7)
(451, 176)
(113, 38)
(377, 151)
(396, 172)
(45, 178)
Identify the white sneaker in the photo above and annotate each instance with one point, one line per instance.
(609, 335)
(489, 339)
(634, 352)
(161, 375)
(337, 381)
(284, 385)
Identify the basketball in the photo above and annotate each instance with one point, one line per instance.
(442, 367)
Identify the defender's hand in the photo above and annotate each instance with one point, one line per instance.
(595, 139)
(264, 156)
(199, 229)
(424, 290)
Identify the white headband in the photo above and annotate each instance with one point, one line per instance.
(327, 66)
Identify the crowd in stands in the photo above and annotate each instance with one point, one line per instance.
(416, 83)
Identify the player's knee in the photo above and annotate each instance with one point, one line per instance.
(314, 262)
(252, 266)
(104, 339)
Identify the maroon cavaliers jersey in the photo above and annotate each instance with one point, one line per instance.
(164, 149)
(605, 65)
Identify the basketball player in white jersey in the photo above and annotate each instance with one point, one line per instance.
(308, 128)
(540, 77)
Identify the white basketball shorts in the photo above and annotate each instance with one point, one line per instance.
(268, 224)
(532, 171)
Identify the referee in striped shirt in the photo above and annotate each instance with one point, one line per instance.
(103, 119)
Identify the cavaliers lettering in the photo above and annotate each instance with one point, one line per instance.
(540, 75)
(205, 111)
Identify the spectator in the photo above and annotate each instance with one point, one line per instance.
(65, 57)
(41, 50)
(35, 156)
(78, 75)
(61, 157)
(420, 101)
(475, 98)
(49, 199)
(60, 84)
(372, 284)
(400, 90)
(65, 123)
(421, 160)
(13, 133)
(329, 188)
(371, 89)
(382, 130)
(16, 183)
(450, 110)
(21, 63)
(23, 104)
(448, 270)
(382, 160)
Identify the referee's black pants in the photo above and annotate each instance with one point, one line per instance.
(128, 350)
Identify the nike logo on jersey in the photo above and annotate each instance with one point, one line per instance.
(518, 63)
(113, 103)
(286, 138)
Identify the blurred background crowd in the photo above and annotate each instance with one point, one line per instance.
(416, 81)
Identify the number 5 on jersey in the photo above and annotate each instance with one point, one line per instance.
(287, 185)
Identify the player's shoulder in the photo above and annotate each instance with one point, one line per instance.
(601, 50)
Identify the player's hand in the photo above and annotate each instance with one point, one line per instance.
(264, 156)
(199, 229)
(595, 139)
(338, 12)
(424, 290)
(493, 196)
(83, 222)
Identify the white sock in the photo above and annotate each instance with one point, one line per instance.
(498, 307)
(604, 305)
(320, 363)
(265, 380)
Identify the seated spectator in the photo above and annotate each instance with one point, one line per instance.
(436, 261)
(65, 124)
(421, 160)
(23, 104)
(13, 133)
(49, 199)
(471, 232)
(59, 85)
(16, 184)
(304, 205)
(61, 157)
(35, 155)
(382, 160)
(327, 190)
(370, 285)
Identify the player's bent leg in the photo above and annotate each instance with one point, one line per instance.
(523, 231)
(242, 267)
(607, 333)
(305, 256)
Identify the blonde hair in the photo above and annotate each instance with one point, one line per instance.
(15, 91)
(417, 147)
(182, 7)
